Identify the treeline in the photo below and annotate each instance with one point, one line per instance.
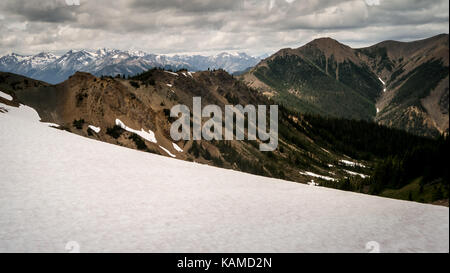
(400, 157)
(362, 139)
(429, 162)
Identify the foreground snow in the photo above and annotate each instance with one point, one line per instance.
(57, 187)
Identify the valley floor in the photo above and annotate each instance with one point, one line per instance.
(57, 187)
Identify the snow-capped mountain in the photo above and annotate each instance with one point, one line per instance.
(54, 69)
(232, 62)
(26, 65)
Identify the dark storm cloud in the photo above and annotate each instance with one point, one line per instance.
(171, 26)
(43, 11)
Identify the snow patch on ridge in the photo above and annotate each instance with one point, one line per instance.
(95, 129)
(384, 84)
(177, 148)
(352, 164)
(356, 174)
(167, 151)
(172, 73)
(318, 176)
(6, 96)
(149, 136)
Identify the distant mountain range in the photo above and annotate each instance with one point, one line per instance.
(54, 69)
(404, 85)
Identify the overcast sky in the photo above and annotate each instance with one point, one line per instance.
(211, 26)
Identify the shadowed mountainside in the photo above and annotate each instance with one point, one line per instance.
(401, 85)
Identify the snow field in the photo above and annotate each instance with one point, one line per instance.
(57, 187)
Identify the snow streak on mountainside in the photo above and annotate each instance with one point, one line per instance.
(53, 69)
(57, 187)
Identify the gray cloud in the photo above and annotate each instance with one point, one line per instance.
(208, 26)
(39, 11)
(194, 6)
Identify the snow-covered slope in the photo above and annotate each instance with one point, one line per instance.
(52, 69)
(57, 187)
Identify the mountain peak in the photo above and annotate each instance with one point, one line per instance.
(326, 43)
(425, 49)
(325, 40)
(329, 47)
(18, 55)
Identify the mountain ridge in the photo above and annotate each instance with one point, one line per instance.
(388, 82)
(135, 113)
